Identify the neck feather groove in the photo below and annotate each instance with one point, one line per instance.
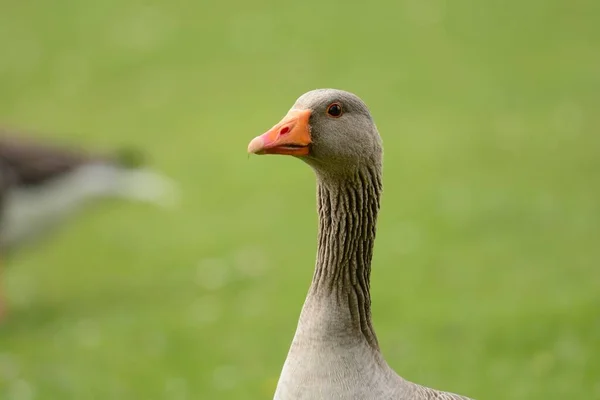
(348, 211)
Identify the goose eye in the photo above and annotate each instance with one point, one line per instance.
(334, 110)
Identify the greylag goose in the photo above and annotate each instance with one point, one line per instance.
(42, 185)
(335, 353)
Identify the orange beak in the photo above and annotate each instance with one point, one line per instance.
(291, 136)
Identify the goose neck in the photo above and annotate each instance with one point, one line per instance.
(340, 288)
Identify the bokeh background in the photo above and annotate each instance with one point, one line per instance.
(486, 277)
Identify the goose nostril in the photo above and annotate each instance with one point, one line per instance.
(284, 130)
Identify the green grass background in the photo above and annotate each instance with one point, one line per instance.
(486, 277)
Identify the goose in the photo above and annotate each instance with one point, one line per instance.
(335, 352)
(43, 184)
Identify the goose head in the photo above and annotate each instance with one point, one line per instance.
(331, 130)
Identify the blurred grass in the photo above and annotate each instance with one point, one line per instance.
(486, 275)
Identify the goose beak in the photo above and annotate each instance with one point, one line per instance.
(291, 136)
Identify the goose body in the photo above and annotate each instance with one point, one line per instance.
(43, 185)
(335, 353)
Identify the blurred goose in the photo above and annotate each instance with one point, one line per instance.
(42, 185)
(335, 353)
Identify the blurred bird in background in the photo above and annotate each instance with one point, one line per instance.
(43, 184)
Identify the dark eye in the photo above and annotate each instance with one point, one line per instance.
(335, 110)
